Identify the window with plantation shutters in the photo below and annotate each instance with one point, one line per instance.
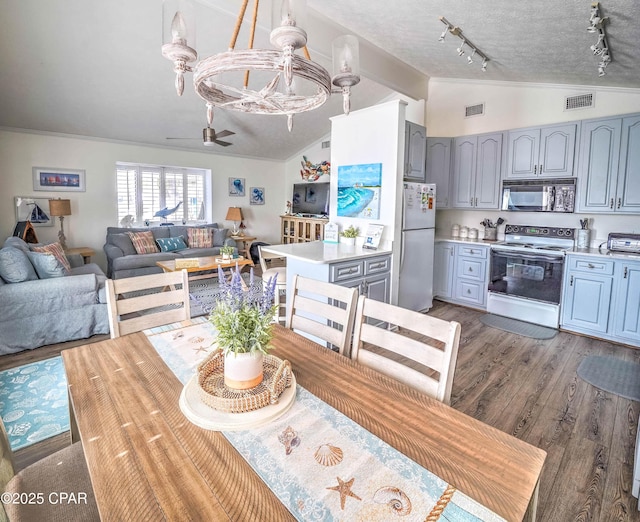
(144, 190)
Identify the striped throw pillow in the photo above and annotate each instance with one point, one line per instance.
(56, 250)
(143, 242)
(200, 237)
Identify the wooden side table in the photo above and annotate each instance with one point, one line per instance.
(85, 252)
(246, 244)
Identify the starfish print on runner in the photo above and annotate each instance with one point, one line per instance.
(344, 488)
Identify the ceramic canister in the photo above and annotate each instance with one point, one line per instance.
(473, 233)
(464, 232)
(455, 231)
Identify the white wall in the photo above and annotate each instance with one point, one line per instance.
(514, 105)
(94, 210)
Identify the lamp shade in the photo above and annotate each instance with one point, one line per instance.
(234, 214)
(60, 207)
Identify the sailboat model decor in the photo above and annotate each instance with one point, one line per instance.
(35, 210)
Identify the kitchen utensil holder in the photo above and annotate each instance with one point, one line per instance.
(584, 238)
(490, 233)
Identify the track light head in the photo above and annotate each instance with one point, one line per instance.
(484, 65)
(442, 36)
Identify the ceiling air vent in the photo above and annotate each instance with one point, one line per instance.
(326, 144)
(580, 101)
(474, 110)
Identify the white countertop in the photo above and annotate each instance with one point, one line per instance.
(488, 242)
(323, 253)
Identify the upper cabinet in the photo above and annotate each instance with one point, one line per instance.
(439, 168)
(415, 152)
(477, 162)
(609, 165)
(547, 152)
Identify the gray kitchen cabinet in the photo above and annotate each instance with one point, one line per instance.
(415, 152)
(439, 168)
(541, 152)
(371, 276)
(609, 166)
(602, 298)
(626, 324)
(477, 163)
(587, 297)
(443, 263)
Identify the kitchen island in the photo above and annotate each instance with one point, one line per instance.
(353, 266)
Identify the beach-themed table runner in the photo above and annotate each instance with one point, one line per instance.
(321, 464)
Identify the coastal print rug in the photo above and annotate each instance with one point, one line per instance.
(204, 293)
(508, 324)
(611, 375)
(34, 403)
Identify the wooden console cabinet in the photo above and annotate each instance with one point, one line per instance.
(296, 229)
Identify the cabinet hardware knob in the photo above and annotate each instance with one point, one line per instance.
(590, 266)
(468, 290)
(626, 270)
(619, 202)
(611, 204)
(535, 170)
(476, 204)
(470, 269)
(571, 281)
(471, 202)
(541, 169)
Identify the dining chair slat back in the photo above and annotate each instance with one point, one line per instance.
(64, 470)
(280, 272)
(421, 355)
(138, 303)
(323, 310)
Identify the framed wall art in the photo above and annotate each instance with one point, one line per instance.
(35, 210)
(236, 186)
(256, 195)
(359, 190)
(58, 180)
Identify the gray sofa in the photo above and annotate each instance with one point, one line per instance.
(36, 312)
(123, 261)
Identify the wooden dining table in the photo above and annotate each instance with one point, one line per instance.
(147, 461)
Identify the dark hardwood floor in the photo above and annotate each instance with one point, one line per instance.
(528, 388)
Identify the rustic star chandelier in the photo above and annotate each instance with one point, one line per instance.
(288, 83)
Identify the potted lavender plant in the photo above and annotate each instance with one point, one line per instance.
(244, 320)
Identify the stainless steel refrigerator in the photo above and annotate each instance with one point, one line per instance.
(415, 290)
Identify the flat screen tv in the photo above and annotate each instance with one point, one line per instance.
(310, 198)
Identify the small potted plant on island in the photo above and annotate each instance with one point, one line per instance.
(244, 320)
(349, 235)
(227, 252)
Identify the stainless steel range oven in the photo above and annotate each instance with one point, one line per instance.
(526, 273)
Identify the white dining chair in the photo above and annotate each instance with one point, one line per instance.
(269, 271)
(413, 348)
(155, 301)
(38, 487)
(323, 310)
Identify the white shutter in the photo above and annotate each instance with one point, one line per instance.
(150, 195)
(126, 191)
(195, 205)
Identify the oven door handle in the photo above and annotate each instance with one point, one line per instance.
(530, 257)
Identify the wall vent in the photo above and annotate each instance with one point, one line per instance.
(326, 144)
(474, 110)
(580, 101)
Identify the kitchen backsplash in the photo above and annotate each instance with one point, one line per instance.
(600, 225)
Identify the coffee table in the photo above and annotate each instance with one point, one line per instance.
(207, 264)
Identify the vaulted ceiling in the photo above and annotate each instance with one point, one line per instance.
(89, 68)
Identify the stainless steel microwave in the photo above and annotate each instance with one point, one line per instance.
(550, 195)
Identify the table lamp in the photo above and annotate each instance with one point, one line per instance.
(234, 214)
(60, 208)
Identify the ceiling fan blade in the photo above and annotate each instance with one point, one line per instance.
(224, 133)
(223, 143)
(182, 138)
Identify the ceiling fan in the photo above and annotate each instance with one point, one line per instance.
(211, 137)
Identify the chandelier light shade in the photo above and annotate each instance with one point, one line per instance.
(259, 81)
(60, 208)
(235, 214)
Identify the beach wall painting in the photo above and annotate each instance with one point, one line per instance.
(359, 190)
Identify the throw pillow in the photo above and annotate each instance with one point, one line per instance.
(219, 235)
(57, 251)
(123, 242)
(143, 242)
(170, 244)
(46, 265)
(15, 266)
(200, 237)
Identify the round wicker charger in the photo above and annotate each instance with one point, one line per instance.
(214, 393)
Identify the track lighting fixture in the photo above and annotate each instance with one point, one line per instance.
(601, 47)
(456, 31)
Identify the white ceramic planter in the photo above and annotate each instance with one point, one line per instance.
(226, 257)
(348, 240)
(243, 370)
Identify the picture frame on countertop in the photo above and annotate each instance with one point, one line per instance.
(49, 179)
(256, 196)
(35, 210)
(373, 236)
(331, 233)
(237, 187)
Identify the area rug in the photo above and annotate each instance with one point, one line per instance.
(508, 324)
(204, 293)
(34, 403)
(612, 374)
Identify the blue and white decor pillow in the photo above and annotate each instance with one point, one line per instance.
(169, 244)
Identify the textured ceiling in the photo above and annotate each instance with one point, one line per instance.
(90, 68)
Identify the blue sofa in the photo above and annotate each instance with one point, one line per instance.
(124, 261)
(41, 311)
